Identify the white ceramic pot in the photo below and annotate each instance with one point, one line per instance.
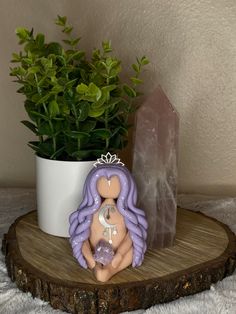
(59, 187)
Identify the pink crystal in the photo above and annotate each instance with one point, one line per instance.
(155, 166)
(103, 252)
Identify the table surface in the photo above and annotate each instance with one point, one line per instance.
(221, 298)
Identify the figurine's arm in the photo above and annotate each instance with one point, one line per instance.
(87, 252)
(123, 248)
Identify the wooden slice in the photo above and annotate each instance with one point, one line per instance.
(204, 252)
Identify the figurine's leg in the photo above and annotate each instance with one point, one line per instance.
(87, 252)
(103, 274)
(123, 248)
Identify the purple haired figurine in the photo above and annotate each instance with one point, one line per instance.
(108, 232)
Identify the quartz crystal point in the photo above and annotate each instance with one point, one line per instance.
(103, 252)
(155, 167)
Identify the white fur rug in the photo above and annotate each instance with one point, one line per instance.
(220, 299)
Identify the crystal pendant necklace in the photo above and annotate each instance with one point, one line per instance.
(109, 229)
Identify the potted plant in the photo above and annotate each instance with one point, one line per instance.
(78, 108)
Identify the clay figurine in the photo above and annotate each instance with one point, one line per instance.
(108, 232)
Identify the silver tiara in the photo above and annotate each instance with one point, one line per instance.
(108, 159)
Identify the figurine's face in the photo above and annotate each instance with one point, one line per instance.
(109, 188)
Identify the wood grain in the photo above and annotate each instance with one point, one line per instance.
(204, 252)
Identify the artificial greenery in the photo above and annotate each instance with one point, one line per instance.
(78, 108)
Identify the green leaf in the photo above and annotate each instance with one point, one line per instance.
(61, 20)
(23, 34)
(53, 108)
(44, 99)
(129, 91)
(91, 92)
(144, 60)
(58, 119)
(64, 109)
(54, 48)
(96, 54)
(16, 57)
(118, 142)
(58, 125)
(94, 91)
(88, 125)
(82, 89)
(84, 74)
(45, 129)
(82, 111)
(34, 146)
(28, 61)
(46, 63)
(21, 90)
(96, 112)
(114, 101)
(106, 45)
(57, 89)
(30, 126)
(106, 92)
(30, 47)
(57, 153)
(67, 41)
(29, 107)
(76, 134)
(136, 68)
(75, 41)
(40, 40)
(71, 83)
(45, 149)
(17, 71)
(138, 61)
(39, 115)
(35, 97)
(33, 70)
(85, 154)
(42, 81)
(76, 56)
(109, 88)
(101, 133)
(120, 130)
(67, 29)
(71, 42)
(111, 63)
(136, 81)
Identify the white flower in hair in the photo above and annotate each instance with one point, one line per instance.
(108, 159)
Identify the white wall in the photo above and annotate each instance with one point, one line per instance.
(192, 48)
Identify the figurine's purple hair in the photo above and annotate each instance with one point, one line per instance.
(134, 217)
